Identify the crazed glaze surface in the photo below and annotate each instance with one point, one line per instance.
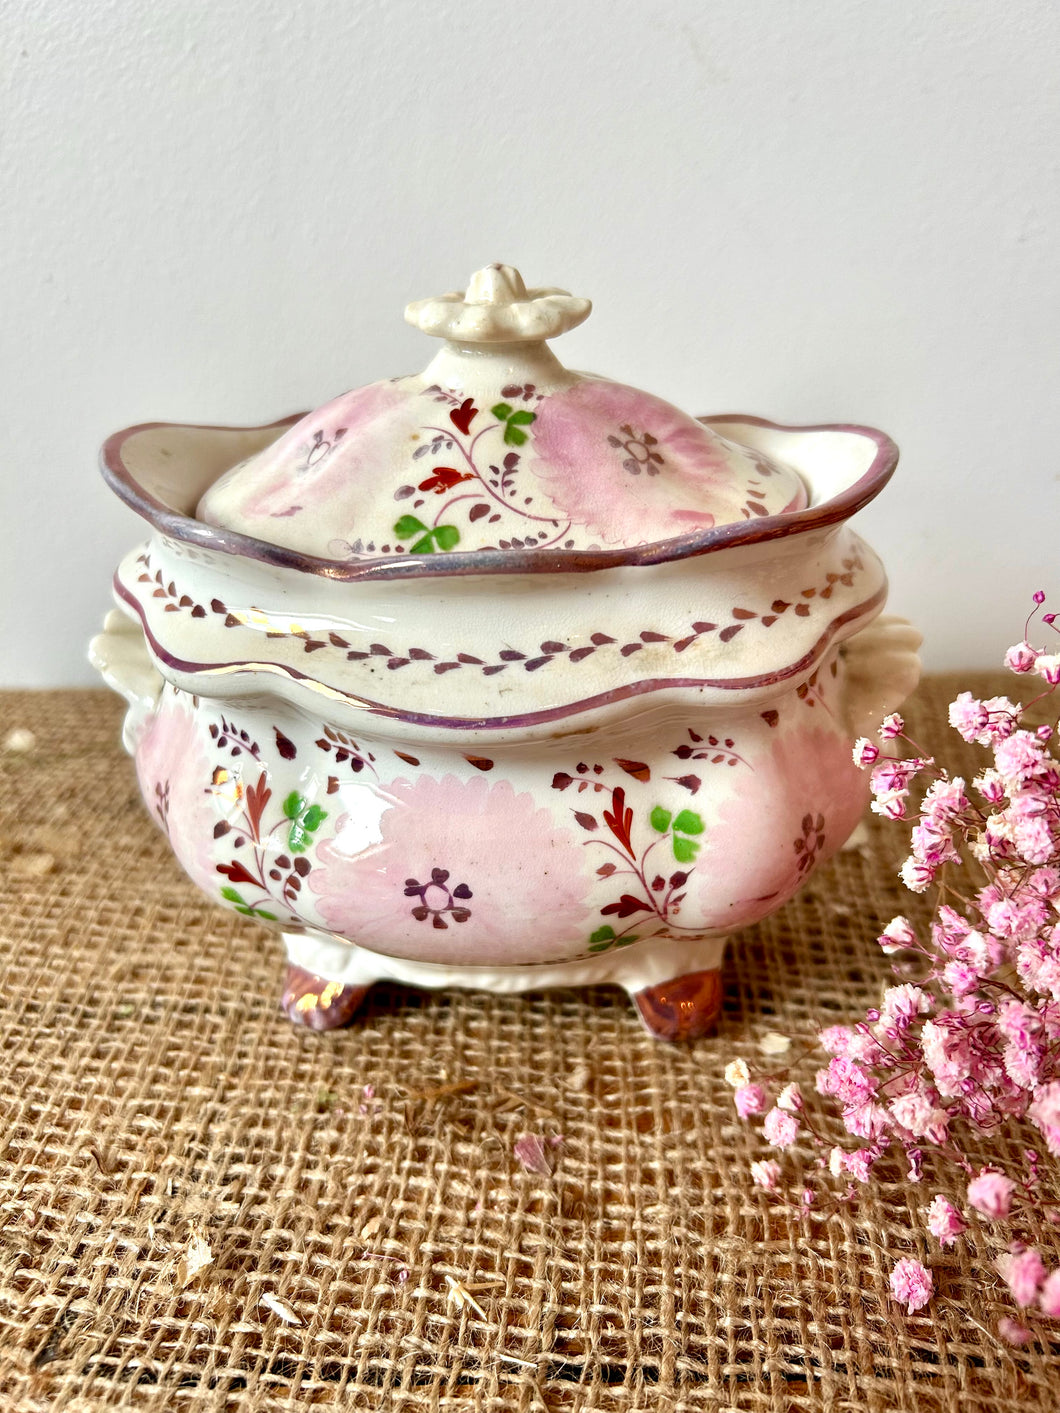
(531, 765)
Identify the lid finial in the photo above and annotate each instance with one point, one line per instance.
(497, 307)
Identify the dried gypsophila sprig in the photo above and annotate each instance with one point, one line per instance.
(975, 1043)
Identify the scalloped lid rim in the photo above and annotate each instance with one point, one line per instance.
(123, 481)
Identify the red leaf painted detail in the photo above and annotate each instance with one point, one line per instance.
(443, 479)
(480, 762)
(727, 634)
(626, 906)
(463, 416)
(637, 768)
(619, 818)
(285, 745)
(257, 797)
(236, 873)
(587, 821)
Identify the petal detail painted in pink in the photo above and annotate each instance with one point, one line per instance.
(464, 872)
(785, 817)
(631, 468)
(174, 773)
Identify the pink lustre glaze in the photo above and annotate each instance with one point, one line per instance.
(590, 439)
(464, 871)
(175, 780)
(808, 788)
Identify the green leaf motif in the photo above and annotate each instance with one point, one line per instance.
(685, 850)
(603, 934)
(233, 896)
(688, 822)
(513, 422)
(294, 805)
(262, 913)
(444, 537)
(660, 819)
(314, 817)
(296, 839)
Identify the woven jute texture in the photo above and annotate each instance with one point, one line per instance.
(156, 1105)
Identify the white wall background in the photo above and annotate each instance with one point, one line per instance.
(215, 210)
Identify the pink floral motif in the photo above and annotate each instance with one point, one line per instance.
(463, 871)
(592, 438)
(336, 456)
(812, 795)
(174, 773)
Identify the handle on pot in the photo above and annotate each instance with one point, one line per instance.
(882, 669)
(119, 654)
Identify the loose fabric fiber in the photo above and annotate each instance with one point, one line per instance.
(203, 1207)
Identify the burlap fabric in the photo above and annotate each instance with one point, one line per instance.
(157, 1108)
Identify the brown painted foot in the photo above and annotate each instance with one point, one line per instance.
(684, 1008)
(321, 1005)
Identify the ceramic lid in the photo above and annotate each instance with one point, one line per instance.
(495, 446)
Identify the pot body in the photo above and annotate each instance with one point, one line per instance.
(506, 769)
(680, 823)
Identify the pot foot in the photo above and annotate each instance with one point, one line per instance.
(312, 1001)
(684, 1008)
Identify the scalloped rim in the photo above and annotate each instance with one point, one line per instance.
(771, 527)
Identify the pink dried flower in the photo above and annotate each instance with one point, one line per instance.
(911, 1284)
(1021, 657)
(1049, 1295)
(983, 722)
(944, 1221)
(904, 1003)
(991, 786)
(780, 1129)
(945, 799)
(1013, 1332)
(1023, 1273)
(890, 804)
(790, 1098)
(917, 876)
(530, 1151)
(865, 752)
(990, 1193)
(1047, 667)
(766, 1173)
(749, 1099)
(898, 934)
(1044, 1111)
(891, 726)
